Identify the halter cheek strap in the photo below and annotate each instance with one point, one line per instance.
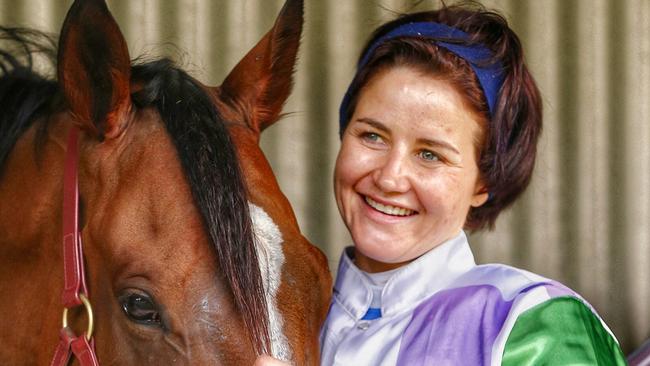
(75, 292)
(488, 72)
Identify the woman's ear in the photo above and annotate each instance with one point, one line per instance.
(481, 194)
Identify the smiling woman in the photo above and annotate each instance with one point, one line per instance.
(439, 131)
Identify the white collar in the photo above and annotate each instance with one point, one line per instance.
(408, 285)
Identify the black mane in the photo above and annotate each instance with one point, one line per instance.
(24, 94)
(203, 144)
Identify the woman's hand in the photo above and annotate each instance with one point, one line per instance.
(269, 361)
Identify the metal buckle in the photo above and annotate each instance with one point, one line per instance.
(89, 311)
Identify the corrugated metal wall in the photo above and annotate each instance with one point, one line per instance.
(584, 220)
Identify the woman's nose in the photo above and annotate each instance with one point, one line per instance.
(392, 173)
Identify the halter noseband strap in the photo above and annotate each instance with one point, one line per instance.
(488, 71)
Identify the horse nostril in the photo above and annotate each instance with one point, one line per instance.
(140, 308)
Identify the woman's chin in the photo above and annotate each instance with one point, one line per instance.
(375, 258)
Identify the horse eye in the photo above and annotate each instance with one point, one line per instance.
(141, 308)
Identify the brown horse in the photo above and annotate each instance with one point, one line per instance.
(193, 255)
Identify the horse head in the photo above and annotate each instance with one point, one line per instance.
(193, 255)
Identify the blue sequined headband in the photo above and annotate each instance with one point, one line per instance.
(488, 72)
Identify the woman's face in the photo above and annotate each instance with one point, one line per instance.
(406, 174)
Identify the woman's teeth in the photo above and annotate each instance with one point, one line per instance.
(388, 209)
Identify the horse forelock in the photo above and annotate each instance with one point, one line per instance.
(210, 163)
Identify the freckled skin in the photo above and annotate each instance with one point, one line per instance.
(409, 144)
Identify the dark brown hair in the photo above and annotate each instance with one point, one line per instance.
(507, 145)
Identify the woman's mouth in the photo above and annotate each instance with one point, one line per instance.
(388, 209)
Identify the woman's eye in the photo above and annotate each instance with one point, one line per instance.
(429, 155)
(141, 308)
(371, 137)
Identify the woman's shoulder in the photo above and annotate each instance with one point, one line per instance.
(546, 321)
(526, 295)
(498, 306)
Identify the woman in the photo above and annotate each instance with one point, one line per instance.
(439, 130)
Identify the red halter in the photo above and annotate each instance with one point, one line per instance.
(75, 292)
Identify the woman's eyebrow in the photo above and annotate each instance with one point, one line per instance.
(374, 123)
(439, 144)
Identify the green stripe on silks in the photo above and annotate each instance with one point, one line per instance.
(561, 331)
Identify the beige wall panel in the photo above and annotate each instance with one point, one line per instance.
(591, 183)
(342, 21)
(544, 231)
(637, 164)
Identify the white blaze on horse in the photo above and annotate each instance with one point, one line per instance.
(192, 255)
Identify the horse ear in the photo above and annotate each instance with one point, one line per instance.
(94, 69)
(261, 82)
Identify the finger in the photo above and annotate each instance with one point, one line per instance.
(269, 361)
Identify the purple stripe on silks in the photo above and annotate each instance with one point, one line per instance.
(456, 327)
